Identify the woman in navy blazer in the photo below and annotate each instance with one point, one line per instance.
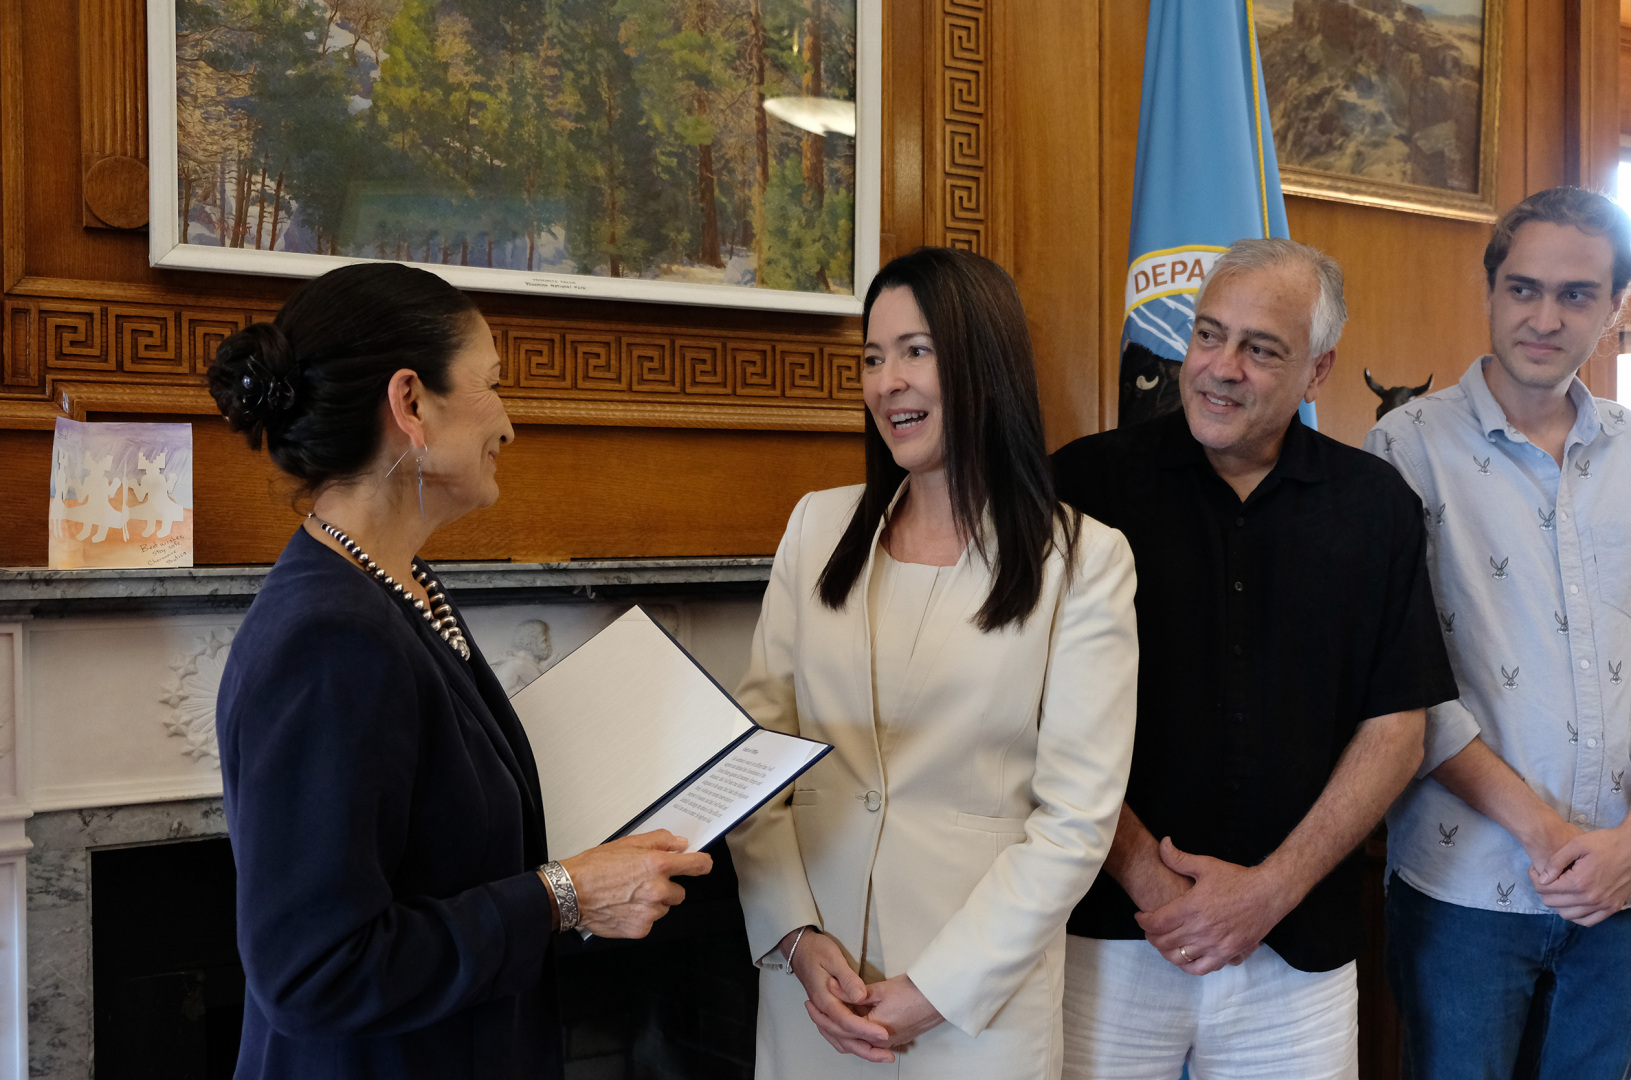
(395, 902)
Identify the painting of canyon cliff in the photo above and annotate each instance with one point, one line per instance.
(1367, 96)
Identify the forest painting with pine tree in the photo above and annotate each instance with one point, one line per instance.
(610, 139)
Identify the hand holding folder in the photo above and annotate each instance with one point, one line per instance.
(631, 735)
(625, 886)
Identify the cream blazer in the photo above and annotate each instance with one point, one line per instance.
(978, 819)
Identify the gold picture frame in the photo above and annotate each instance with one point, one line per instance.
(1463, 202)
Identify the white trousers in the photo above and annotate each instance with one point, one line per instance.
(1131, 1015)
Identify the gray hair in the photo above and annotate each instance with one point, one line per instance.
(1330, 311)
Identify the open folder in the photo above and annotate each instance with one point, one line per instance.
(631, 734)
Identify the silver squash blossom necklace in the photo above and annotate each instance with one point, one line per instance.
(438, 613)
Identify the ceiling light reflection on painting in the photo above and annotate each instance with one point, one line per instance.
(818, 115)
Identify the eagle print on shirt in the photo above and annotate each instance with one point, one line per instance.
(1500, 628)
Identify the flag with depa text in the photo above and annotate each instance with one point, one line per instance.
(1205, 176)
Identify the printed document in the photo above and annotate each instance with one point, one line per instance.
(631, 734)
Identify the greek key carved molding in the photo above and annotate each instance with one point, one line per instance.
(98, 357)
(965, 54)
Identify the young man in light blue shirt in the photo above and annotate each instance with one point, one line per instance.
(1509, 946)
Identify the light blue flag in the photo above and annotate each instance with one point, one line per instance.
(1205, 177)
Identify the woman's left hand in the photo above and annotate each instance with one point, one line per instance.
(900, 1007)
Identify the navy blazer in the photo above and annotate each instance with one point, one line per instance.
(384, 812)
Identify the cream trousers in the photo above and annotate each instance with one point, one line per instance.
(1131, 1015)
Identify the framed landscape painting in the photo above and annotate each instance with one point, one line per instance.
(1385, 102)
(685, 151)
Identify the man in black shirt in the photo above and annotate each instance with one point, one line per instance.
(1288, 651)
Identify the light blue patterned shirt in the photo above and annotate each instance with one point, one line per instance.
(1531, 568)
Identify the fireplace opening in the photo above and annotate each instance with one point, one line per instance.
(168, 989)
(678, 1005)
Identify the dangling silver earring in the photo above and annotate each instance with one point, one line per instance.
(419, 461)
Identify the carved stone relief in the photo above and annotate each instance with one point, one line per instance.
(189, 698)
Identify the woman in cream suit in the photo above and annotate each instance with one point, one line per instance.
(968, 647)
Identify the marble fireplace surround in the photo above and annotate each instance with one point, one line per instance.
(107, 738)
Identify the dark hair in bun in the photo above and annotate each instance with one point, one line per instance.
(310, 382)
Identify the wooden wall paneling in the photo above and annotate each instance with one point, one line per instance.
(1625, 82)
(20, 366)
(905, 152)
(56, 242)
(1545, 131)
(11, 143)
(25, 484)
(113, 113)
(1120, 85)
(80, 400)
(27, 416)
(1594, 103)
(1048, 186)
(1407, 318)
(1591, 81)
(1512, 166)
(568, 492)
(621, 492)
(681, 414)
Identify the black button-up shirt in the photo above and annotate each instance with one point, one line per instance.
(1268, 630)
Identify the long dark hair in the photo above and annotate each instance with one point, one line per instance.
(991, 422)
(310, 382)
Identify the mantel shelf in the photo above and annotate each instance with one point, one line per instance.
(40, 592)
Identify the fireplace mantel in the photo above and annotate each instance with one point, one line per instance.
(38, 592)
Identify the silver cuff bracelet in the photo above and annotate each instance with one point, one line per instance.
(566, 897)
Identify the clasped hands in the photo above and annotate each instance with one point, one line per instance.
(871, 1020)
(1210, 913)
(1583, 876)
